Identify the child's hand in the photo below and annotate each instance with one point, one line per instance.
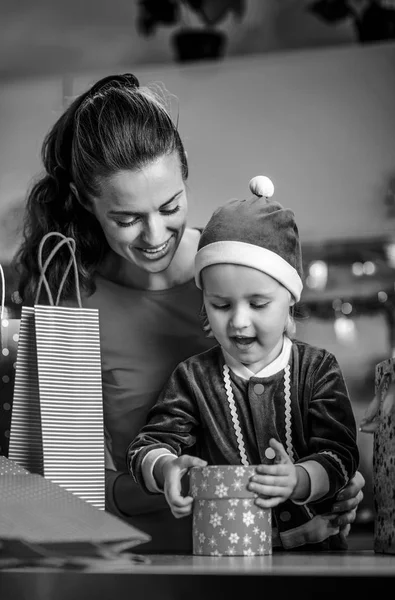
(173, 471)
(274, 483)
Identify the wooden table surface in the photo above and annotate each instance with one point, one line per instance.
(318, 576)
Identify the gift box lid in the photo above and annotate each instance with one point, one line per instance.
(221, 481)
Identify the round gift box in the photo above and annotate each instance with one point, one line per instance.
(226, 521)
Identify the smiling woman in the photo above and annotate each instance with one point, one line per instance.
(115, 173)
(118, 188)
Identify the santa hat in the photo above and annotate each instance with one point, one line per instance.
(255, 233)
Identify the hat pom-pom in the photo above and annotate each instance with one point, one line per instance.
(262, 186)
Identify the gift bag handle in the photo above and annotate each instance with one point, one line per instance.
(2, 293)
(71, 245)
(70, 242)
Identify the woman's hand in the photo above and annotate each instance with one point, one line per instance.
(173, 471)
(346, 503)
(369, 422)
(386, 395)
(274, 483)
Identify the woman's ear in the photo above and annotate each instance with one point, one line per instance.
(85, 203)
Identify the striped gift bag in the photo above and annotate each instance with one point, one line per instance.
(57, 416)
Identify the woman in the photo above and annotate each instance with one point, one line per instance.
(115, 181)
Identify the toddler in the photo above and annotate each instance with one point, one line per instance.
(258, 394)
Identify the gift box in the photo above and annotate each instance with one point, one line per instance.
(226, 521)
(384, 460)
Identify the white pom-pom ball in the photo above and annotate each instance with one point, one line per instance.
(262, 186)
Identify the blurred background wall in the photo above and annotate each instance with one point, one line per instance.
(320, 122)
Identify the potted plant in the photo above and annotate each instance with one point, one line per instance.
(374, 20)
(190, 43)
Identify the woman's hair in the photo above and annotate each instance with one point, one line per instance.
(114, 126)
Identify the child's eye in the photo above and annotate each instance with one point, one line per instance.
(220, 306)
(257, 305)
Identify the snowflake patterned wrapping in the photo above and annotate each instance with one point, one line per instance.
(10, 467)
(226, 521)
(384, 466)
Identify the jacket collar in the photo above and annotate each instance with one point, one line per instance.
(278, 364)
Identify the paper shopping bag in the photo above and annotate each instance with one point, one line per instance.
(384, 459)
(57, 416)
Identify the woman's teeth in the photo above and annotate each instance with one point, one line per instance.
(155, 253)
(155, 250)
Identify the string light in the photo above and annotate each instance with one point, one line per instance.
(373, 263)
(369, 268)
(390, 254)
(382, 296)
(337, 304)
(318, 275)
(346, 308)
(357, 269)
(345, 330)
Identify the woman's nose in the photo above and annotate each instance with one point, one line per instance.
(154, 232)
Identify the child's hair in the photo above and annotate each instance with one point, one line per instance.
(116, 125)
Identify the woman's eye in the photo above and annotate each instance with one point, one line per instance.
(127, 223)
(170, 211)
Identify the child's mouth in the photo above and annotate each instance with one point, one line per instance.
(243, 342)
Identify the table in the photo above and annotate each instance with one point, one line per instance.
(320, 576)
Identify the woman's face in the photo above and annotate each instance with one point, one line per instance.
(143, 213)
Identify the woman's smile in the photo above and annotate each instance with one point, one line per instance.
(155, 252)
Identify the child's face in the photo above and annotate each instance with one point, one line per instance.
(247, 311)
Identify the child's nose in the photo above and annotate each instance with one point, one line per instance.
(240, 319)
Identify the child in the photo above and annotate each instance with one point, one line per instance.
(257, 394)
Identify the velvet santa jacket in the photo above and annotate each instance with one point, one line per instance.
(313, 420)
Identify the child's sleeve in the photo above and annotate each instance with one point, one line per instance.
(170, 428)
(331, 437)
